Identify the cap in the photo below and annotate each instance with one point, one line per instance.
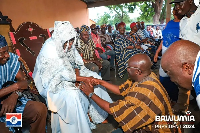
(122, 23)
(132, 25)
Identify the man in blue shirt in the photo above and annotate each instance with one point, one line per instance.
(11, 99)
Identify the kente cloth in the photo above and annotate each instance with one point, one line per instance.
(54, 76)
(8, 72)
(123, 54)
(190, 27)
(170, 35)
(142, 102)
(97, 41)
(196, 78)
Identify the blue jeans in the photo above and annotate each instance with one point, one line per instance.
(112, 59)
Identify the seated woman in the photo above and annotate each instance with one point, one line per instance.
(58, 70)
(124, 49)
(147, 48)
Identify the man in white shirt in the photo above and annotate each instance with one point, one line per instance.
(190, 24)
(184, 69)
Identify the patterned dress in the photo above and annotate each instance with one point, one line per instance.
(123, 54)
(8, 72)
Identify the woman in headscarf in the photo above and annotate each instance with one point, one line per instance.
(58, 69)
(124, 49)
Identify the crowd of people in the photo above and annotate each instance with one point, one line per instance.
(74, 64)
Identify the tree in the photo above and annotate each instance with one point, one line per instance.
(103, 19)
(157, 5)
(121, 11)
(152, 9)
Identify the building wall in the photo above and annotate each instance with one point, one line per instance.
(45, 12)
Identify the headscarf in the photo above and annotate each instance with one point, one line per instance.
(132, 25)
(3, 42)
(63, 32)
(53, 62)
(122, 23)
(84, 28)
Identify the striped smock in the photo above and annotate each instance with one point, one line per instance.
(142, 102)
(8, 72)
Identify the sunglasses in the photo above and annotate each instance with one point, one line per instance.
(94, 28)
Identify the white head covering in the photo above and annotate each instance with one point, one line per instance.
(63, 32)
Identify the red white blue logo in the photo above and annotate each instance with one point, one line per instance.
(13, 119)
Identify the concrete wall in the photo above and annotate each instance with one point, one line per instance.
(45, 12)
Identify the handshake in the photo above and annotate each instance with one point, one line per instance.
(87, 84)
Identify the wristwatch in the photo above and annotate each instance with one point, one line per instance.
(91, 94)
(18, 93)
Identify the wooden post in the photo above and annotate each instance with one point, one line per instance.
(168, 11)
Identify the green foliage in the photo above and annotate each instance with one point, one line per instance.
(147, 11)
(117, 14)
(120, 12)
(104, 19)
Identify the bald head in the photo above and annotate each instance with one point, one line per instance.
(180, 52)
(142, 61)
(178, 61)
(139, 66)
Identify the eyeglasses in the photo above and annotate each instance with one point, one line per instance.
(133, 67)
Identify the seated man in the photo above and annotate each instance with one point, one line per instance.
(143, 33)
(144, 98)
(108, 46)
(181, 62)
(109, 32)
(87, 51)
(33, 113)
(103, 50)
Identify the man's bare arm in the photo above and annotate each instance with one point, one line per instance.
(19, 85)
